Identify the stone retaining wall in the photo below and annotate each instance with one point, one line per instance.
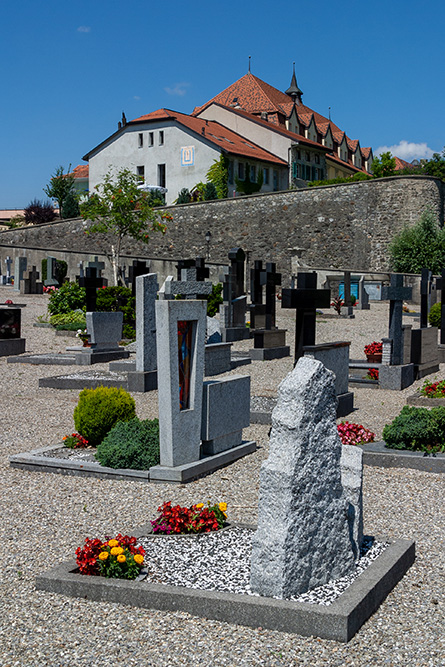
(337, 226)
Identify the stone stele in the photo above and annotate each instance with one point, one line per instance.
(303, 537)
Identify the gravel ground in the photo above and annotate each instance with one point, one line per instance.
(46, 516)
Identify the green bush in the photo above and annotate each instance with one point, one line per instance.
(434, 315)
(214, 300)
(60, 320)
(417, 429)
(67, 298)
(98, 410)
(132, 444)
(61, 269)
(113, 299)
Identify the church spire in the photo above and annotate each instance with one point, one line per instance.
(293, 90)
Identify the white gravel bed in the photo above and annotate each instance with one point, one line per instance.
(220, 561)
(45, 517)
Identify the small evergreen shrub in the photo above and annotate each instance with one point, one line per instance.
(113, 299)
(98, 410)
(434, 315)
(131, 444)
(67, 298)
(417, 429)
(214, 300)
(184, 196)
(70, 206)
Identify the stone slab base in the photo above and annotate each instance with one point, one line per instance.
(142, 381)
(422, 370)
(235, 333)
(36, 462)
(268, 353)
(45, 359)
(124, 366)
(339, 621)
(239, 359)
(190, 471)
(424, 402)
(9, 346)
(85, 380)
(66, 333)
(396, 377)
(89, 357)
(376, 454)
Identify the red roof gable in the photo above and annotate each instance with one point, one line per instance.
(81, 171)
(402, 164)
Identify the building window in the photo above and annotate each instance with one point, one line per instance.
(266, 176)
(317, 158)
(141, 171)
(230, 171)
(161, 175)
(252, 174)
(298, 154)
(241, 171)
(140, 140)
(161, 138)
(275, 179)
(150, 138)
(308, 157)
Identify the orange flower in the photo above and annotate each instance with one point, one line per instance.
(121, 558)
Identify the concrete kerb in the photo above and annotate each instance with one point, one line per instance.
(378, 455)
(36, 461)
(339, 621)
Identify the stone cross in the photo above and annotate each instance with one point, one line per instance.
(257, 308)
(202, 271)
(270, 278)
(31, 286)
(305, 532)
(99, 266)
(138, 268)
(425, 297)
(440, 285)
(91, 282)
(8, 262)
(306, 298)
(397, 294)
(235, 302)
(185, 269)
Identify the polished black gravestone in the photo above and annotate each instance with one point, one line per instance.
(10, 329)
(91, 282)
(269, 342)
(305, 299)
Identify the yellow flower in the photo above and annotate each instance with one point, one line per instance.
(138, 558)
(121, 558)
(116, 551)
(199, 505)
(103, 555)
(222, 507)
(113, 543)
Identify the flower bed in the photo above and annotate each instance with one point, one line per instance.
(194, 519)
(354, 434)
(433, 389)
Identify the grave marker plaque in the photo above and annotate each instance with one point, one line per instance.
(10, 323)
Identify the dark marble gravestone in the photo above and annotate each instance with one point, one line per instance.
(138, 268)
(31, 284)
(10, 329)
(305, 299)
(91, 282)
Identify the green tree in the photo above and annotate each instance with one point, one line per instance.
(119, 209)
(385, 165)
(59, 187)
(210, 192)
(218, 174)
(435, 166)
(420, 246)
(248, 187)
(184, 196)
(70, 208)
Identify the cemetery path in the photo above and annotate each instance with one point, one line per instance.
(45, 517)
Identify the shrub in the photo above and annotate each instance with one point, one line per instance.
(433, 389)
(131, 444)
(418, 246)
(98, 410)
(184, 196)
(39, 212)
(434, 315)
(113, 299)
(214, 300)
(70, 206)
(418, 429)
(69, 297)
(60, 320)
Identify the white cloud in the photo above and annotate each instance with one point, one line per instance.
(84, 28)
(136, 97)
(407, 150)
(178, 89)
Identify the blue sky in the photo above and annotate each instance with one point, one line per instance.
(68, 70)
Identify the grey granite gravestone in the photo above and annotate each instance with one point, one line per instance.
(105, 332)
(303, 537)
(351, 466)
(19, 270)
(30, 284)
(335, 356)
(51, 280)
(363, 296)
(347, 308)
(397, 375)
(144, 377)
(6, 278)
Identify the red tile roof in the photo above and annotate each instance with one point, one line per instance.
(217, 134)
(81, 171)
(402, 164)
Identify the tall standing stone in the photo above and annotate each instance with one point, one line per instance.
(144, 378)
(303, 538)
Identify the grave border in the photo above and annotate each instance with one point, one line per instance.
(339, 621)
(376, 454)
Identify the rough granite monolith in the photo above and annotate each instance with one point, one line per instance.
(303, 538)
